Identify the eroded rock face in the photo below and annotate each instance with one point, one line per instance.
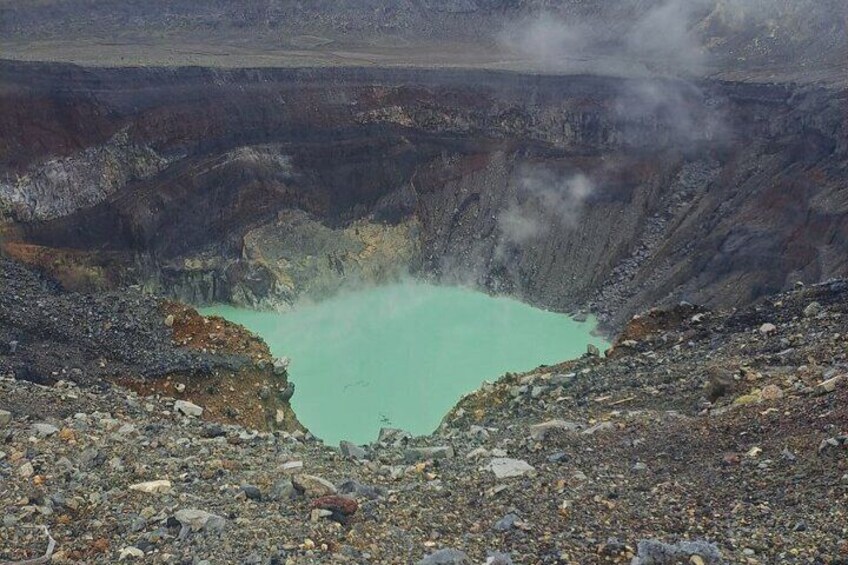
(616, 194)
(212, 369)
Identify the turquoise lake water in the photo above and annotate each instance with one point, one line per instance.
(402, 355)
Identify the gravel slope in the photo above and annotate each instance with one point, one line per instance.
(639, 458)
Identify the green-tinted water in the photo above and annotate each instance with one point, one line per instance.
(402, 355)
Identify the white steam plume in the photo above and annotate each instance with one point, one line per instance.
(542, 201)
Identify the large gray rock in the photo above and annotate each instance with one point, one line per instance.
(505, 468)
(393, 437)
(281, 366)
(199, 520)
(44, 430)
(313, 486)
(446, 557)
(499, 559)
(812, 310)
(653, 552)
(351, 450)
(188, 408)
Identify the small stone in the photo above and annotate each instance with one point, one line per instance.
(199, 520)
(252, 492)
(5, 417)
(44, 430)
(280, 417)
(478, 432)
(130, 553)
(352, 451)
(445, 557)
(639, 467)
(731, 459)
(829, 386)
(504, 467)
(558, 457)
(354, 488)
(313, 486)
(281, 366)
(771, 392)
(290, 466)
(768, 329)
(126, 429)
(651, 552)
(593, 351)
(169, 321)
(540, 432)
(562, 380)
(180, 387)
(393, 437)
(498, 559)
(188, 409)
(152, 487)
(318, 514)
(506, 523)
(281, 490)
(599, 427)
(812, 310)
(26, 470)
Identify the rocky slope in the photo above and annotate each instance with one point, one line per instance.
(568, 192)
(702, 437)
(98, 340)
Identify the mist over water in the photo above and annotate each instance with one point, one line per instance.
(402, 355)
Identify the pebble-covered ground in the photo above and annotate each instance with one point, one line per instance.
(702, 438)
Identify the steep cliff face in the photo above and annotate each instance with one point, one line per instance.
(256, 186)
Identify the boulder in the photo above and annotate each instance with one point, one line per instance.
(812, 310)
(446, 557)
(313, 486)
(393, 437)
(44, 430)
(152, 487)
(828, 386)
(652, 552)
(281, 366)
(199, 520)
(504, 467)
(351, 450)
(768, 329)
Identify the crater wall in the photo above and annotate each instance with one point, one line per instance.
(259, 186)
